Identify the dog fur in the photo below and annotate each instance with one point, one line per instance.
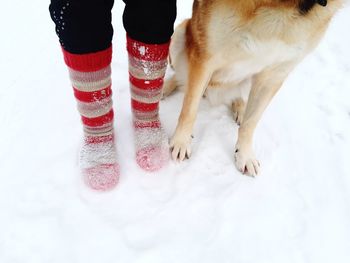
(239, 52)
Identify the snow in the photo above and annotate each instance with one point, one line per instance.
(202, 210)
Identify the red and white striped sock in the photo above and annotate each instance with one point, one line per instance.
(90, 75)
(147, 66)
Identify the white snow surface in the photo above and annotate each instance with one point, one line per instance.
(202, 210)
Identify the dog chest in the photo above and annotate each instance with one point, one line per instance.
(242, 51)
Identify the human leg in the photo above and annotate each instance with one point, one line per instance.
(85, 33)
(149, 26)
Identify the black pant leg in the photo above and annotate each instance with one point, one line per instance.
(83, 26)
(150, 21)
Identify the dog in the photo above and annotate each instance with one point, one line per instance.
(239, 52)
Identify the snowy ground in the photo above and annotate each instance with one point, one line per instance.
(202, 210)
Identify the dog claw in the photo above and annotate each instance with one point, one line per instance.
(246, 163)
(180, 150)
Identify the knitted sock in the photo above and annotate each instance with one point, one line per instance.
(90, 75)
(147, 65)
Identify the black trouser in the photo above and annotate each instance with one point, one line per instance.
(84, 26)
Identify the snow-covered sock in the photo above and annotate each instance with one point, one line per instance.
(90, 75)
(147, 65)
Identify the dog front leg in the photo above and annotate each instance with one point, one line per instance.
(198, 78)
(264, 87)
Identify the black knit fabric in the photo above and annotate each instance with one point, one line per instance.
(149, 21)
(85, 26)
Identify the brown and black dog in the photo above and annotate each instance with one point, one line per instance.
(240, 52)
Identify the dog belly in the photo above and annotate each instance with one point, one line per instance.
(226, 93)
(236, 72)
(232, 82)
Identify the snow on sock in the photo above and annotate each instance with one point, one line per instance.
(90, 75)
(147, 65)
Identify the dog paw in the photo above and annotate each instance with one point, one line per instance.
(168, 87)
(238, 117)
(238, 108)
(180, 147)
(246, 162)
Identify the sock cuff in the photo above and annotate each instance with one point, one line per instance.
(148, 52)
(88, 62)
